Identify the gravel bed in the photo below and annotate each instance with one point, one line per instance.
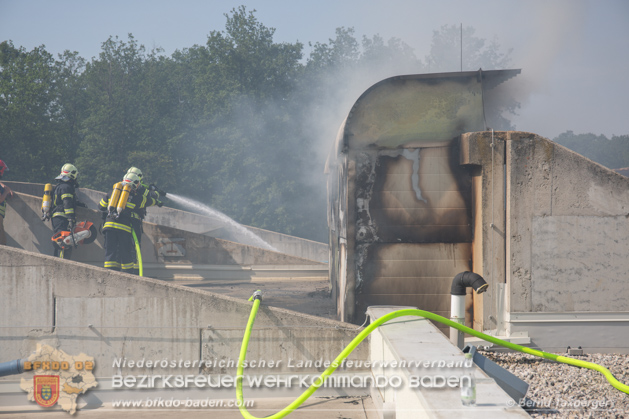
(558, 390)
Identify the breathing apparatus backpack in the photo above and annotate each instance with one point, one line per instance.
(119, 198)
(46, 202)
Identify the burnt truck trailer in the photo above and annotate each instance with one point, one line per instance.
(400, 207)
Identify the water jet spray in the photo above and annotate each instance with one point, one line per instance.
(250, 237)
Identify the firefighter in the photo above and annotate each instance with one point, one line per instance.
(64, 204)
(5, 192)
(119, 246)
(147, 191)
(138, 215)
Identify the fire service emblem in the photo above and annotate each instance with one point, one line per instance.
(46, 389)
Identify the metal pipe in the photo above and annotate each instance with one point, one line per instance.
(457, 314)
(11, 367)
(460, 283)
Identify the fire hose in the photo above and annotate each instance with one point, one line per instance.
(138, 252)
(257, 298)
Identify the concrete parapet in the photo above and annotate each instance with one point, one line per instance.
(200, 224)
(550, 238)
(415, 350)
(161, 245)
(114, 316)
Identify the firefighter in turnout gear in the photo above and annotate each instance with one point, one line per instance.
(64, 204)
(118, 212)
(147, 191)
(137, 216)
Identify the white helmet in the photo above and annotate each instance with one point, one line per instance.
(68, 171)
(136, 171)
(133, 179)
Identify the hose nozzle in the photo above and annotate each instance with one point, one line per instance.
(256, 296)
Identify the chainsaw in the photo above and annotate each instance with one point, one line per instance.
(84, 233)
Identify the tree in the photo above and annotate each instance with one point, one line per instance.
(133, 114)
(391, 58)
(72, 103)
(613, 153)
(31, 143)
(239, 151)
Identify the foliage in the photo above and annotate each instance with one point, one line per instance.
(612, 153)
(31, 120)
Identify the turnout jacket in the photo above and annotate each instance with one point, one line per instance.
(64, 200)
(136, 204)
(138, 214)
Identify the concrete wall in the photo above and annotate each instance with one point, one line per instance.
(486, 164)
(553, 229)
(570, 221)
(106, 314)
(161, 246)
(206, 225)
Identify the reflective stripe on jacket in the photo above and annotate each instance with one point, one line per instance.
(64, 200)
(136, 203)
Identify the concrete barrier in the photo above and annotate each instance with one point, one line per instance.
(200, 224)
(114, 316)
(162, 246)
(550, 239)
(429, 366)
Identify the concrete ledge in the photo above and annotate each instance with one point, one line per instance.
(105, 314)
(415, 350)
(196, 223)
(255, 273)
(28, 232)
(594, 332)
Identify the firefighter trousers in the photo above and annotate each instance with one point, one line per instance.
(60, 224)
(119, 250)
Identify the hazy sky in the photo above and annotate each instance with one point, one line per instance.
(574, 54)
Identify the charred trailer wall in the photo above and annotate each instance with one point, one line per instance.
(400, 204)
(412, 227)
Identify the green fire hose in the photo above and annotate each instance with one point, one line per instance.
(257, 298)
(138, 252)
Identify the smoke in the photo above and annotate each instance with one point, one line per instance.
(336, 93)
(556, 27)
(330, 103)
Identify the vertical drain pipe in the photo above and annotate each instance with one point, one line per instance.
(457, 301)
(457, 314)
